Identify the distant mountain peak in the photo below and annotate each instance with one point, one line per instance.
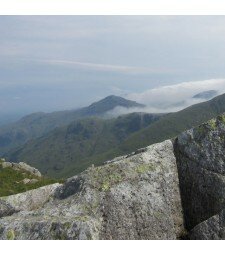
(119, 101)
(109, 103)
(206, 94)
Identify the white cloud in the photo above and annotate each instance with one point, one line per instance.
(107, 67)
(171, 98)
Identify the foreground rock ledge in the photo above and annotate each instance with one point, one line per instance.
(133, 198)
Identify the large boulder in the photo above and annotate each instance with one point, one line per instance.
(211, 229)
(6, 164)
(136, 197)
(21, 167)
(6, 209)
(25, 167)
(201, 167)
(32, 199)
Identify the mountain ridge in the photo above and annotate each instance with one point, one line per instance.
(71, 148)
(37, 124)
(166, 127)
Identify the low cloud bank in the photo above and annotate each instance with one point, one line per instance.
(171, 98)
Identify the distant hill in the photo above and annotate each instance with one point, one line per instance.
(70, 149)
(206, 94)
(174, 123)
(38, 124)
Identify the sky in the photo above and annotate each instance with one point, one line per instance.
(52, 63)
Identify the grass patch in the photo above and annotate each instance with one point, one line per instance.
(11, 181)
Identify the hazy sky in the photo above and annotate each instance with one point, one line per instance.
(62, 62)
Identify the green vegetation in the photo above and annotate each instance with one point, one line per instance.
(173, 124)
(11, 181)
(10, 235)
(144, 168)
(38, 124)
(69, 150)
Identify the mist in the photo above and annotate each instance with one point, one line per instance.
(171, 98)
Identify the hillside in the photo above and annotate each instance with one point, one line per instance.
(70, 149)
(67, 152)
(172, 124)
(13, 181)
(38, 124)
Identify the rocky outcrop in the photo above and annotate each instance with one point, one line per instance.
(134, 198)
(32, 199)
(21, 167)
(211, 229)
(29, 181)
(201, 165)
(6, 209)
(170, 190)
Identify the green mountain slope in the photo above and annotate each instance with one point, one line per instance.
(70, 149)
(38, 124)
(174, 123)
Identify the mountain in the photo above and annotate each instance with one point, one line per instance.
(172, 124)
(9, 118)
(170, 190)
(37, 124)
(107, 104)
(206, 94)
(69, 149)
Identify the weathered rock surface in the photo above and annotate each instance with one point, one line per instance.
(31, 199)
(201, 165)
(29, 181)
(211, 229)
(133, 198)
(6, 209)
(21, 166)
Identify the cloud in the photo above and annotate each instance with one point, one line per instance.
(171, 98)
(106, 67)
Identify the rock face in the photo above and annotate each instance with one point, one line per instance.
(6, 209)
(21, 166)
(170, 190)
(201, 165)
(31, 199)
(30, 181)
(211, 229)
(133, 198)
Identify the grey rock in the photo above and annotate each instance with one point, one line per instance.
(29, 181)
(6, 209)
(6, 164)
(21, 166)
(32, 199)
(211, 229)
(201, 167)
(26, 167)
(134, 198)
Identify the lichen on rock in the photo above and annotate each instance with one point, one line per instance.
(133, 198)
